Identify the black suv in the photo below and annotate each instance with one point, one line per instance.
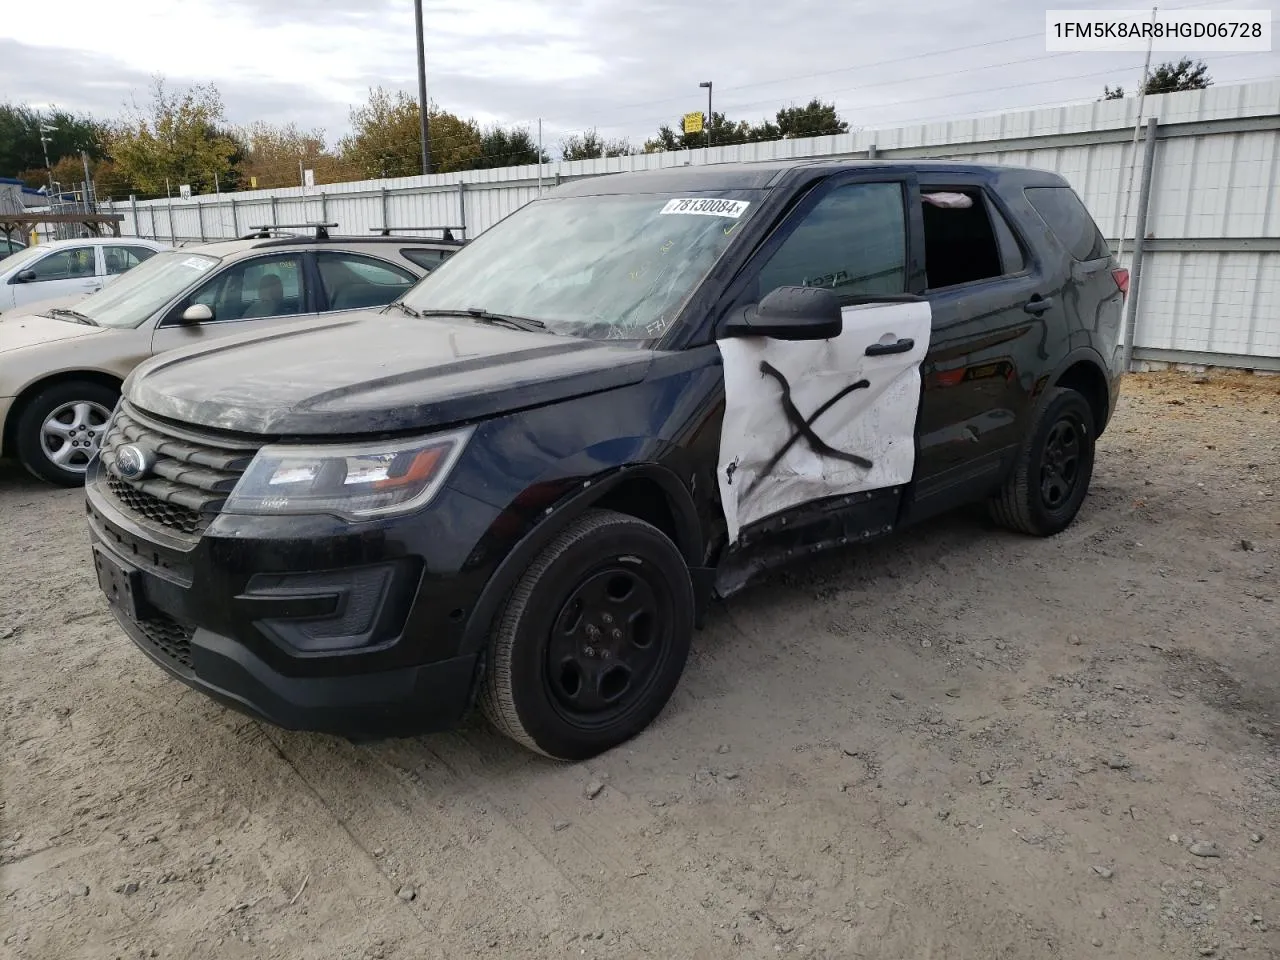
(523, 482)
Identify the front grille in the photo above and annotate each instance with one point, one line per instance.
(156, 510)
(191, 478)
(168, 637)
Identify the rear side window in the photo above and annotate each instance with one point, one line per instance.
(425, 258)
(1069, 221)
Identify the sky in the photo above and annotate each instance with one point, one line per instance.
(621, 66)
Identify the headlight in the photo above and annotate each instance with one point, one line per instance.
(358, 482)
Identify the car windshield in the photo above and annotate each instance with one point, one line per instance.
(139, 292)
(14, 261)
(616, 267)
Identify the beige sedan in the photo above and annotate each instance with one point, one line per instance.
(61, 366)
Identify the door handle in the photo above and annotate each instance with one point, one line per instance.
(882, 349)
(1038, 305)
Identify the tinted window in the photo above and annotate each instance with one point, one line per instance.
(65, 264)
(264, 287)
(1069, 221)
(959, 242)
(352, 281)
(854, 241)
(427, 259)
(120, 259)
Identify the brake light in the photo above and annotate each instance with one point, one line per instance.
(1122, 279)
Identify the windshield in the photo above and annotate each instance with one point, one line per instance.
(603, 267)
(14, 261)
(139, 292)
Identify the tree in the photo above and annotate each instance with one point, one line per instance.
(272, 156)
(589, 145)
(178, 139)
(1170, 78)
(815, 119)
(20, 148)
(386, 140)
(500, 147)
(1174, 77)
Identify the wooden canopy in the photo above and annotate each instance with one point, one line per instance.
(24, 223)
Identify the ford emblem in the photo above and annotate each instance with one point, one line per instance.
(134, 462)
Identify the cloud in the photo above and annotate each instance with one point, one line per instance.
(625, 68)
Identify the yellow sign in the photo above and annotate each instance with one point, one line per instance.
(693, 122)
(253, 183)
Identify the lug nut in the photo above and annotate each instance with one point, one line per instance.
(607, 617)
(615, 633)
(589, 651)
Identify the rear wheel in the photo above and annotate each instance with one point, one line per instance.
(60, 429)
(1051, 478)
(592, 642)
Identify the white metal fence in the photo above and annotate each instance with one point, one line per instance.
(1211, 273)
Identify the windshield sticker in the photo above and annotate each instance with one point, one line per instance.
(708, 207)
(197, 263)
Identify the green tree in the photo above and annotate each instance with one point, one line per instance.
(589, 145)
(385, 140)
(20, 148)
(1170, 77)
(1174, 77)
(179, 138)
(500, 147)
(815, 119)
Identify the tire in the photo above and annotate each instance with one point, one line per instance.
(1048, 483)
(59, 430)
(567, 675)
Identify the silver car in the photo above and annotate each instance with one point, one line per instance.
(61, 367)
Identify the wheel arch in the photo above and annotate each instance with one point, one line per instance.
(1084, 371)
(8, 441)
(648, 492)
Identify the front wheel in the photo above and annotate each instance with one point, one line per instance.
(1050, 479)
(60, 429)
(592, 642)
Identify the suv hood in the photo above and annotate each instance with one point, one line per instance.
(370, 372)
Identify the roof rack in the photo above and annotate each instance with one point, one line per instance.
(447, 238)
(266, 231)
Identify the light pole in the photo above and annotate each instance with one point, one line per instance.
(707, 84)
(422, 88)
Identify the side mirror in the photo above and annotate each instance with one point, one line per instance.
(197, 313)
(790, 313)
(25, 276)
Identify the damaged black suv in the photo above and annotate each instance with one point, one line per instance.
(522, 483)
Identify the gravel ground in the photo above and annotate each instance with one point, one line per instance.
(957, 743)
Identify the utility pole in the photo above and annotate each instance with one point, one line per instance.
(707, 84)
(44, 145)
(422, 89)
(88, 184)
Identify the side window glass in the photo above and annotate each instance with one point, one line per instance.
(1070, 221)
(66, 264)
(264, 287)
(352, 281)
(428, 259)
(854, 242)
(120, 259)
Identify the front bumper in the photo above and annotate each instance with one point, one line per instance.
(299, 622)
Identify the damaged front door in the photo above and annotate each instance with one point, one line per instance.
(805, 419)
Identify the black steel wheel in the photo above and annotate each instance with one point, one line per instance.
(593, 640)
(1050, 479)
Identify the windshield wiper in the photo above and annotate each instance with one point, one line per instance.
(484, 316)
(404, 307)
(75, 315)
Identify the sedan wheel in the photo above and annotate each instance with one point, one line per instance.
(59, 431)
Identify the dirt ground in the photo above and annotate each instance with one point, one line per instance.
(958, 743)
